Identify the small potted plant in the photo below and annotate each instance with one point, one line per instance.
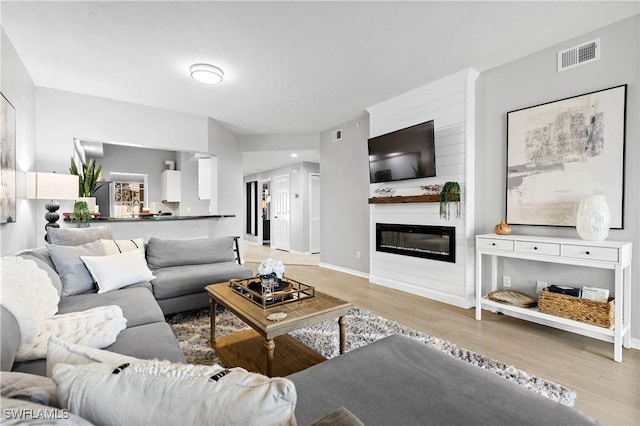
(450, 194)
(88, 177)
(81, 214)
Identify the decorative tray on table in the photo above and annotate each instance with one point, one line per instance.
(285, 291)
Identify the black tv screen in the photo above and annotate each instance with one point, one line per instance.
(404, 154)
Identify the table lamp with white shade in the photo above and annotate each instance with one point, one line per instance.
(51, 187)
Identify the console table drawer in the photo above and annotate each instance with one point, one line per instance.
(606, 254)
(487, 243)
(549, 249)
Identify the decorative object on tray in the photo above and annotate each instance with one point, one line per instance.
(431, 189)
(592, 220)
(601, 314)
(512, 297)
(503, 228)
(450, 194)
(285, 290)
(559, 151)
(385, 192)
(270, 271)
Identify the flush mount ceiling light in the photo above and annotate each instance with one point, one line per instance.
(206, 73)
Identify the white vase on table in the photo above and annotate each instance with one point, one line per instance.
(593, 219)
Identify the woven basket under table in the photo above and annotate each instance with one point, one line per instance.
(601, 314)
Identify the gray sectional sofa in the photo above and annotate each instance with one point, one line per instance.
(182, 268)
(395, 380)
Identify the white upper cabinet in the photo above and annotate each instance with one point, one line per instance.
(170, 186)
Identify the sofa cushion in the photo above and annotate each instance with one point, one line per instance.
(10, 338)
(398, 380)
(164, 393)
(180, 280)
(149, 341)
(339, 417)
(28, 387)
(74, 275)
(48, 268)
(78, 236)
(115, 271)
(61, 352)
(14, 413)
(162, 253)
(137, 303)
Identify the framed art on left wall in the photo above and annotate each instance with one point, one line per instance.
(559, 151)
(7, 161)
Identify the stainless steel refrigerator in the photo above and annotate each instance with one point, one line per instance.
(104, 194)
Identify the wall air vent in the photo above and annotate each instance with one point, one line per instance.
(579, 55)
(336, 135)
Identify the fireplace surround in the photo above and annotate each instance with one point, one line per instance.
(429, 242)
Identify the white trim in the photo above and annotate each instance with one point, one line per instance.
(459, 301)
(635, 343)
(311, 175)
(345, 270)
(306, 253)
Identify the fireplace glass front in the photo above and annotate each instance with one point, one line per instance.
(430, 242)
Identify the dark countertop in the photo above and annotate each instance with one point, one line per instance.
(156, 218)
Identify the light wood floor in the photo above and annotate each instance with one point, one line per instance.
(607, 390)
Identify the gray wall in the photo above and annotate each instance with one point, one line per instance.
(533, 80)
(344, 208)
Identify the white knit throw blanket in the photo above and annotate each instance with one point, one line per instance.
(28, 294)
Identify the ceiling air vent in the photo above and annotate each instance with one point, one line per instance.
(336, 135)
(579, 55)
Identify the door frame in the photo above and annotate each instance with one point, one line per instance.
(311, 176)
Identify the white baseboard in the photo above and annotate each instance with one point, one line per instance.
(307, 253)
(635, 343)
(345, 270)
(451, 299)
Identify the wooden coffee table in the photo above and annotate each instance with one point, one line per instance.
(257, 350)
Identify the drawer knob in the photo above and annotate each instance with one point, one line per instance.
(587, 252)
(535, 248)
(493, 244)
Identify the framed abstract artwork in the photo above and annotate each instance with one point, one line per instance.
(559, 151)
(7, 161)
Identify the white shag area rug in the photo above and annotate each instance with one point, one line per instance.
(363, 327)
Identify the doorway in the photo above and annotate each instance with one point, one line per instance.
(265, 208)
(281, 227)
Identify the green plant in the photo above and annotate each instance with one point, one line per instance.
(89, 176)
(81, 213)
(450, 193)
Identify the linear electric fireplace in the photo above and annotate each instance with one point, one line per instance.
(430, 242)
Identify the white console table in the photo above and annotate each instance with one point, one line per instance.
(614, 255)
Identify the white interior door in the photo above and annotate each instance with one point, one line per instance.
(281, 202)
(314, 212)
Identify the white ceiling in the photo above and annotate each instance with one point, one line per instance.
(290, 67)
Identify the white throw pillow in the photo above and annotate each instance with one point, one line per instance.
(121, 246)
(62, 352)
(164, 393)
(115, 271)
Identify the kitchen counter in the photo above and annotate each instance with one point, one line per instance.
(155, 218)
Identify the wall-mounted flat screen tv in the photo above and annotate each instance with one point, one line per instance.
(403, 154)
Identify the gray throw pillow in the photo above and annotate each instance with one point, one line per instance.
(53, 275)
(78, 236)
(73, 273)
(162, 253)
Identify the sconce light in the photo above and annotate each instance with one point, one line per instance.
(52, 187)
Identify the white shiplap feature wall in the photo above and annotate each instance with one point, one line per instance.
(450, 103)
